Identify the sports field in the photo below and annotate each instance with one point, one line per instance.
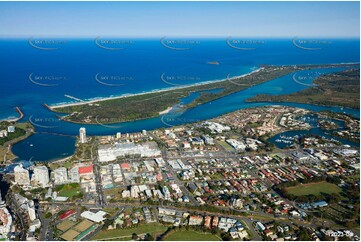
(313, 188)
(68, 190)
(190, 235)
(151, 228)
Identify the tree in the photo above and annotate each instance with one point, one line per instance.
(148, 237)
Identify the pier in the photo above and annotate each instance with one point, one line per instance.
(74, 98)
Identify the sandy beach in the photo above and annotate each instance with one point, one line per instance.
(62, 105)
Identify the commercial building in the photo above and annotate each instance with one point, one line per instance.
(111, 152)
(95, 217)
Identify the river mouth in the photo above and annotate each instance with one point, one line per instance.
(148, 69)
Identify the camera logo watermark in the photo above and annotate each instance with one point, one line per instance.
(174, 118)
(178, 80)
(309, 44)
(106, 122)
(178, 44)
(46, 80)
(232, 79)
(113, 44)
(113, 80)
(244, 44)
(306, 78)
(44, 122)
(46, 44)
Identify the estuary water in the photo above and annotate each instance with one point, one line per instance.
(80, 69)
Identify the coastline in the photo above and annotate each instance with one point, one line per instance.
(21, 115)
(52, 107)
(62, 105)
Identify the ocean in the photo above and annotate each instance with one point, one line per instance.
(39, 71)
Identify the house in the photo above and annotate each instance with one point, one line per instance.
(195, 220)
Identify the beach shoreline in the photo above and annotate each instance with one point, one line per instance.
(63, 105)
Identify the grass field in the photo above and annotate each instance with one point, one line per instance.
(313, 188)
(225, 145)
(152, 228)
(190, 235)
(68, 190)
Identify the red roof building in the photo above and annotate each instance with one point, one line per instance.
(67, 214)
(85, 169)
(125, 166)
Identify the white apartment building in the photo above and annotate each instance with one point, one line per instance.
(82, 135)
(60, 176)
(40, 176)
(21, 176)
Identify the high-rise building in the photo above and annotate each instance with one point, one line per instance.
(74, 175)
(118, 135)
(60, 176)
(82, 135)
(40, 176)
(31, 210)
(21, 176)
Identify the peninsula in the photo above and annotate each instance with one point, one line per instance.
(151, 104)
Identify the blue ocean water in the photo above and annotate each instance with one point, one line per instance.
(79, 68)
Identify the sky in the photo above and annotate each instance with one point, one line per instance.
(201, 19)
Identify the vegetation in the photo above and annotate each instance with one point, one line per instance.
(336, 89)
(22, 131)
(11, 136)
(190, 235)
(69, 190)
(313, 189)
(151, 104)
(152, 228)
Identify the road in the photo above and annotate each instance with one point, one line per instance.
(16, 210)
(97, 176)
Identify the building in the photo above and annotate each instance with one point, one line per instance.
(86, 170)
(67, 214)
(11, 129)
(60, 176)
(31, 210)
(82, 135)
(74, 176)
(208, 140)
(118, 135)
(195, 220)
(5, 221)
(94, 217)
(3, 133)
(111, 152)
(21, 176)
(40, 176)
